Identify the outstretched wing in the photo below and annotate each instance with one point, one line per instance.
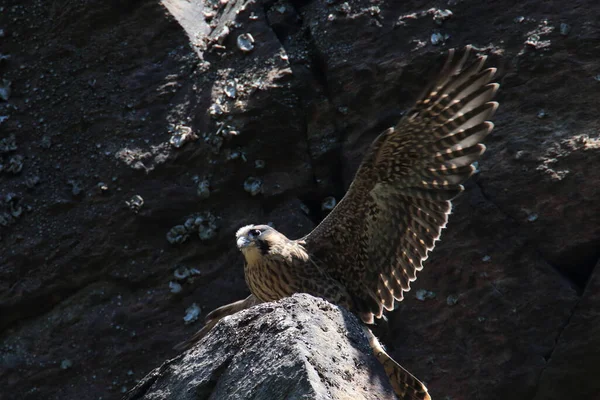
(376, 238)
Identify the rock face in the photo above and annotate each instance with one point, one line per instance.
(298, 348)
(576, 352)
(96, 98)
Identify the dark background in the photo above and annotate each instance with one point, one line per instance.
(85, 304)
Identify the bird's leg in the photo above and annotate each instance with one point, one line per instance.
(405, 385)
(232, 308)
(215, 316)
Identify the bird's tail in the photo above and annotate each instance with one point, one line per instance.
(215, 316)
(405, 385)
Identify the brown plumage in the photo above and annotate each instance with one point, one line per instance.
(366, 252)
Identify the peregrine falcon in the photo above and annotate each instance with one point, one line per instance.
(366, 252)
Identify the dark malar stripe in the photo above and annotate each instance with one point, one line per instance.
(263, 246)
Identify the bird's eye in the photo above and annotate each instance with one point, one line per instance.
(254, 233)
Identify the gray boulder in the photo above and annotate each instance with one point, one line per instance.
(300, 347)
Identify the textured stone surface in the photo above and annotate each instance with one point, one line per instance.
(577, 351)
(298, 348)
(85, 304)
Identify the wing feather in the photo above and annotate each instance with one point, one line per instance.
(377, 237)
(396, 283)
(385, 292)
(464, 137)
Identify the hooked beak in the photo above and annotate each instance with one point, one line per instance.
(242, 242)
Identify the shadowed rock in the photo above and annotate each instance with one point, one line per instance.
(85, 304)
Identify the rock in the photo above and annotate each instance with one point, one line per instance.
(577, 351)
(87, 280)
(301, 347)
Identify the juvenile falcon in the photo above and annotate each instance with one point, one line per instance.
(366, 252)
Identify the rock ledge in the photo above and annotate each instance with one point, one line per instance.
(300, 347)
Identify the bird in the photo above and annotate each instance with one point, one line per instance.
(366, 252)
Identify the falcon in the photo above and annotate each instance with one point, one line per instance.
(364, 255)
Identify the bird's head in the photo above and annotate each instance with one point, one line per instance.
(259, 243)
(255, 241)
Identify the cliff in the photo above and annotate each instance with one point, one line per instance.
(136, 137)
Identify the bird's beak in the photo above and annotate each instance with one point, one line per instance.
(242, 242)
